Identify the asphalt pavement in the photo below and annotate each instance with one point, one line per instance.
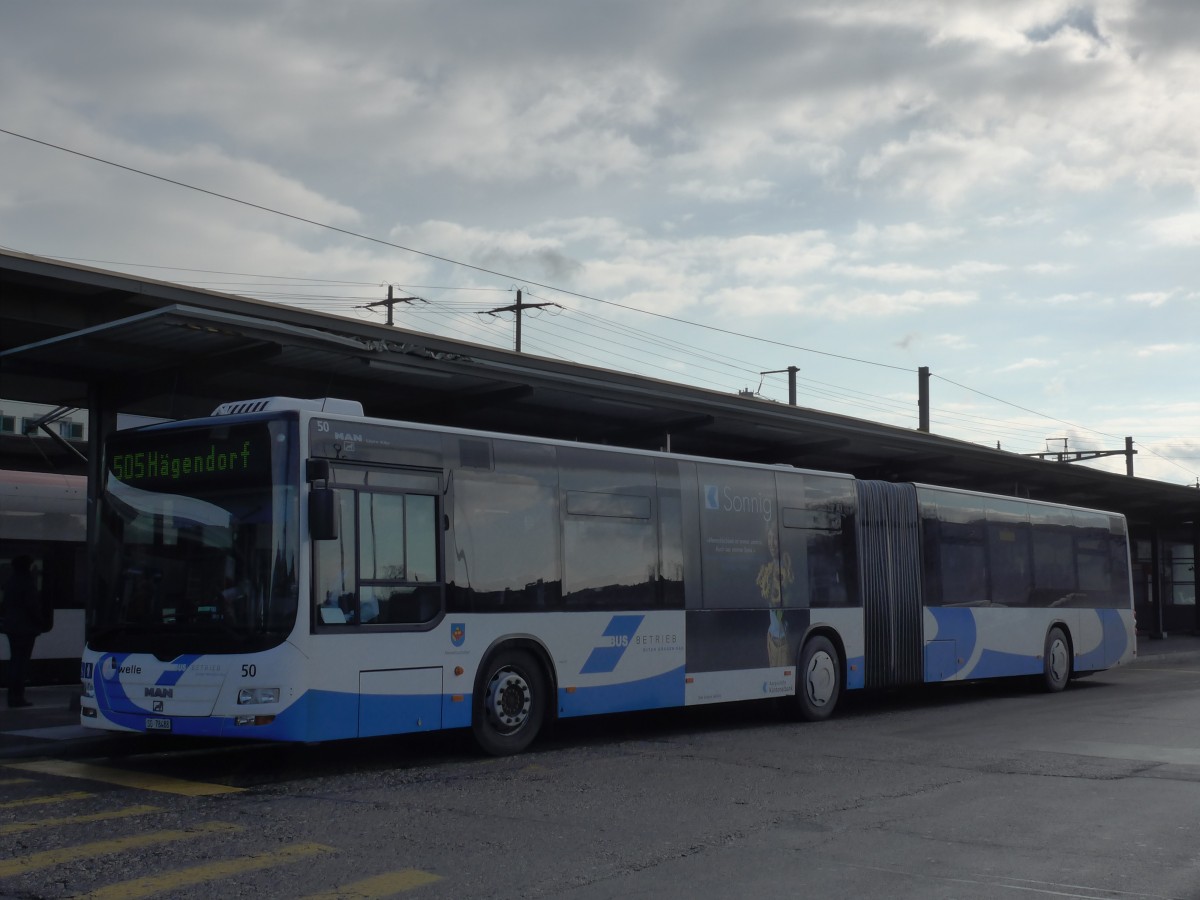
(51, 726)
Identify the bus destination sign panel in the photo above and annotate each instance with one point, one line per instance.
(210, 456)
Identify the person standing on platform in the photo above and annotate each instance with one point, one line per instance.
(22, 614)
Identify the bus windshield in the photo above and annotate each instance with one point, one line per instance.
(197, 540)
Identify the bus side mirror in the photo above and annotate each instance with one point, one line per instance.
(316, 470)
(322, 514)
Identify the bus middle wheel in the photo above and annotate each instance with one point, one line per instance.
(818, 680)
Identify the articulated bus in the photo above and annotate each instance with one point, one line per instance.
(44, 515)
(290, 570)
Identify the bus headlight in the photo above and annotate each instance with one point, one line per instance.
(89, 689)
(247, 696)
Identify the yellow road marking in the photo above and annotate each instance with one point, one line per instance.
(385, 885)
(19, 827)
(182, 878)
(4, 782)
(143, 780)
(42, 801)
(47, 858)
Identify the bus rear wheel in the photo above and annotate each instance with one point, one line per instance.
(1056, 661)
(511, 703)
(818, 680)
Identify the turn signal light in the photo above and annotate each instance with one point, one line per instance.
(253, 720)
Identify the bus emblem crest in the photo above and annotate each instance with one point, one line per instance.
(458, 634)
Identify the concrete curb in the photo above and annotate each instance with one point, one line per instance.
(16, 747)
(1185, 657)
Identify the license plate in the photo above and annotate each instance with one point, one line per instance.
(158, 724)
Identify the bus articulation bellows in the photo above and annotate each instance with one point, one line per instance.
(291, 570)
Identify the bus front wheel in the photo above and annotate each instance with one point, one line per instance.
(818, 680)
(1056, 661)
(511, 703)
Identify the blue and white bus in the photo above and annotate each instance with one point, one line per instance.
(291, 570)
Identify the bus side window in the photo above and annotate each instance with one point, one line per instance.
(1054, 578)
(503, 553)
(610, 531)
(334, 589)
(816, 540)
(398, 559)
(1010, 580)
(382, 566)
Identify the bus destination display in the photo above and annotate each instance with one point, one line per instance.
(210, 456)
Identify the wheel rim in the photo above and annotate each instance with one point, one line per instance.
(1058, 661)
(509, 700)
(820, 680)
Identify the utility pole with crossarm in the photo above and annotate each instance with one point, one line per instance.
(517, 308)
(1069, 456)
(391, 302)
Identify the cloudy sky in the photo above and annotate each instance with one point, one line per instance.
(1006, 193)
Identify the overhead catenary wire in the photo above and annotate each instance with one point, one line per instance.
(849, 396)
(742, 369)
(423, 253)
(644, 363)
(563, 291)
(1015, 434)
(684, 354)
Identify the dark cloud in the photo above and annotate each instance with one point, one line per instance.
(1158, 29)
(543, 264)
(1081, 19)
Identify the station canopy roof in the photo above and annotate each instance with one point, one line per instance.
(160, 349)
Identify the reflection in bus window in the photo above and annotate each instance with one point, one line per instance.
(818, 540)
(395, 537)
(506, 533)
(334, 587)
(610, 536)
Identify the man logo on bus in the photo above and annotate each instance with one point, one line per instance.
(458, 634)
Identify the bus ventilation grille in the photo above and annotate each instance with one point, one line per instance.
(240, 407)
(273, 404)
